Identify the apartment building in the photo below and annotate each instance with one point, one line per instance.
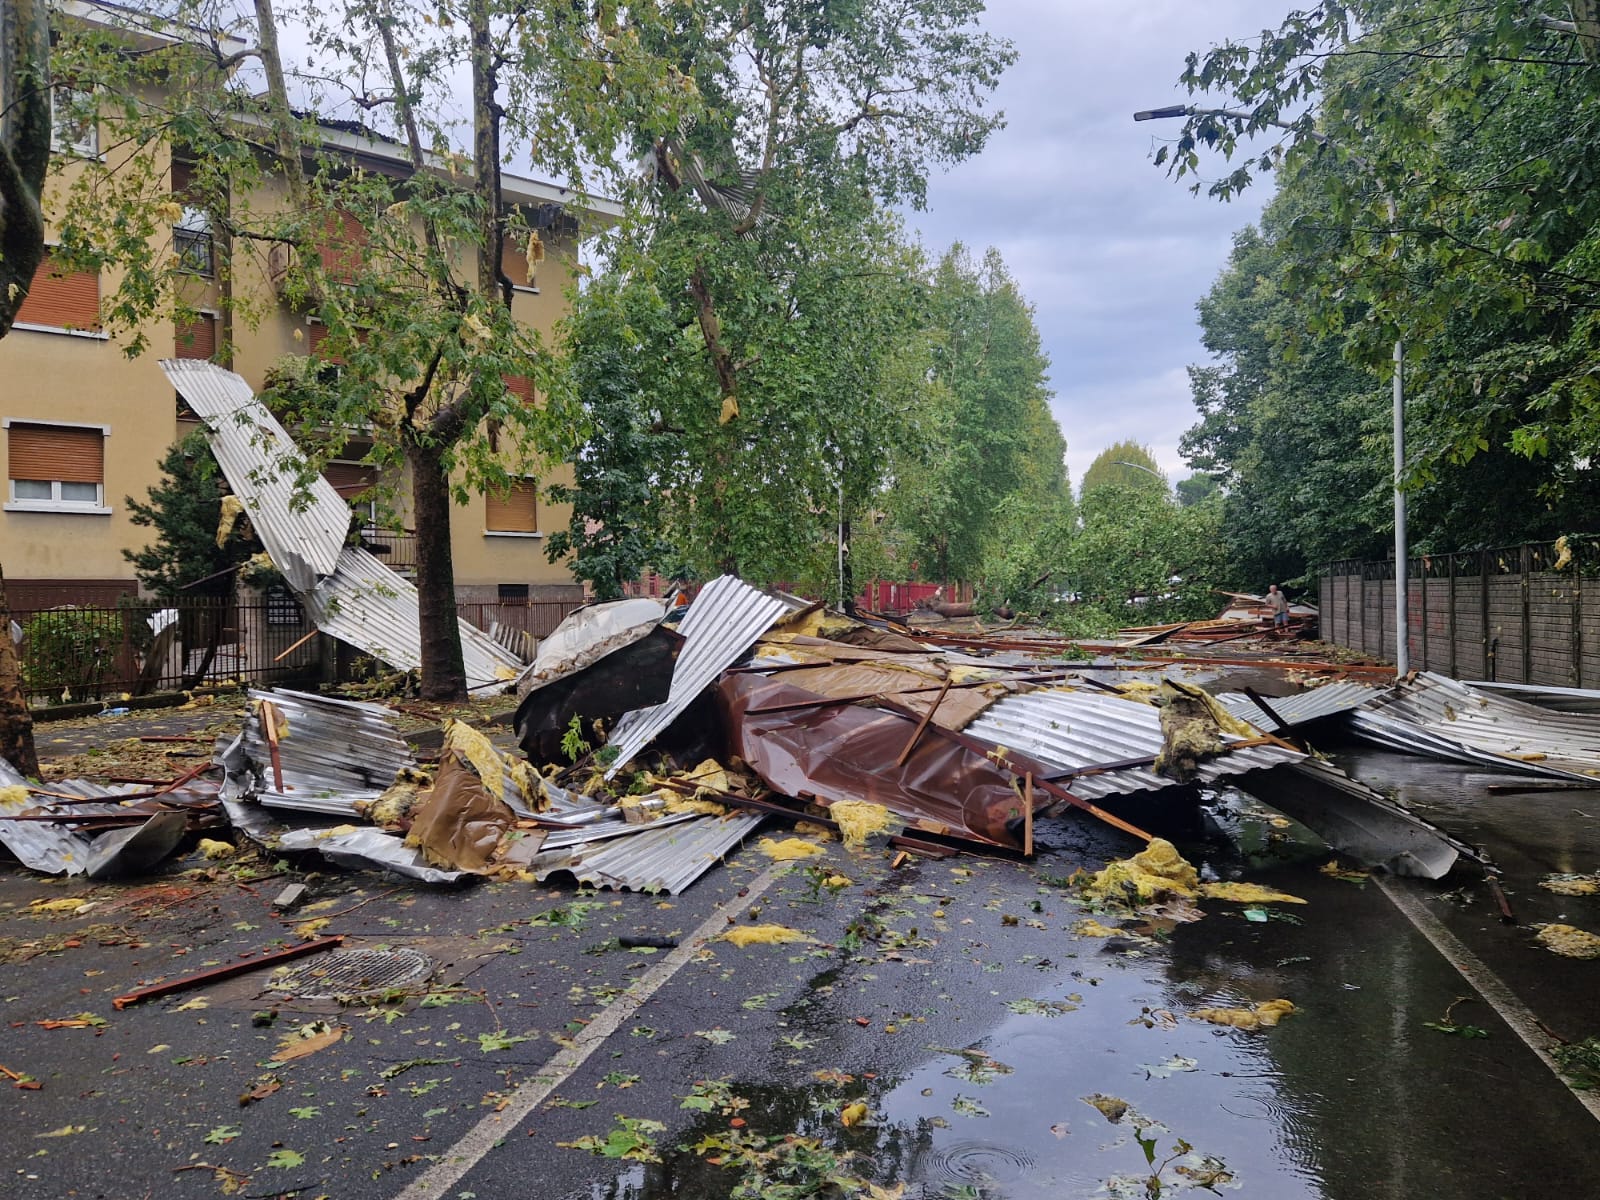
(85, 426)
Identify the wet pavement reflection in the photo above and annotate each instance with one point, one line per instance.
(1079, 1070)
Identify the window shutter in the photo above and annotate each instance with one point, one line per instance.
(521, 387)
(182, 177)
(515, 512)
(57, 452)
(343, 247)
(62, 301)
(514, 262)
(197, 338)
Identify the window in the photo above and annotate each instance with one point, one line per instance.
(72, 122)
(61, 299)
(517, 265)
(513, 593)
(195, 339)
(521, 387)
(283, 608)
(515, 512)
(191, 242)
(55, 468)
(350, 480)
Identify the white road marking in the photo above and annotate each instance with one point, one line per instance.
(487, 1133)
(1490, 986)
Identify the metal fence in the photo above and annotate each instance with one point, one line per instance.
(1518, 614)
(78, 653)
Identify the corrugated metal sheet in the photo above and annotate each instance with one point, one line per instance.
(1564, 699)
(366, 604)
(334, 753)
(39, 845)
(348, 593)
(1354, 819)
(722, 624)
(1071, 730)
(660, 858)
(588, 635)
(1302, 707)
(1511, 731)
(56, 850)
(369, 848)
(303, 533)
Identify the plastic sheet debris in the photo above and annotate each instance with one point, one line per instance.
(601, 662)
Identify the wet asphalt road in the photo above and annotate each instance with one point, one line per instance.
(951, 998)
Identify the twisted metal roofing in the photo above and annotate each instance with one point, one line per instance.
(1497, 730)
(722, 624)
(1072, 730)
(349, 594)
(660, 857)
(1303, 707)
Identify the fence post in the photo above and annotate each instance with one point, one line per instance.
(1527, 616)
(1575, 675)
(1485, 557)
(1450, 617)
(1422, 577)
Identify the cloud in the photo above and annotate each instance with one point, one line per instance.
(1111, 252)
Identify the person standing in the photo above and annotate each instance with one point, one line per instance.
(1280, 607)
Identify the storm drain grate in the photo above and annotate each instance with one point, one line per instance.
(353, 973)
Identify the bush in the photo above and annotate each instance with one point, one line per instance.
(70, 653)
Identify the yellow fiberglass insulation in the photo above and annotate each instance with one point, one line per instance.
(1089, 927)
(674, 803)
(1247, 893)
(1262, 1016)
(213, 849)
(1156, 871)
(788, 850)
(14, 797)
(1569, 941)
(859, 820)
(492, 767)
(764, 935)
(1572, 885)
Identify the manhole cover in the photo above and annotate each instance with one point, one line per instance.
(353, 973)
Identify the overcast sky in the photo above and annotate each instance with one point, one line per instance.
(1111, 252)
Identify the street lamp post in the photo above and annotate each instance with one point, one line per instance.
(1402, 627)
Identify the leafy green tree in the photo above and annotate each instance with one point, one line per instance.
(1126, 464)
(991, 433)
(1141, 558)
(1447, 149)
(184, 509)
(1197, 489)
(618, 475)
(775, 290)
(416, 304)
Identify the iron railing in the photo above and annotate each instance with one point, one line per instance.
(103, 652)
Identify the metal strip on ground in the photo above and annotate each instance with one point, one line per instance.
(489, 1132)
(1496, 994)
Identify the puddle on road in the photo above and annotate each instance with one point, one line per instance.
(1352, 1097)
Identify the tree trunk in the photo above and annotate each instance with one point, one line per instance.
(444, 672)
(24, 147)
(16, 722)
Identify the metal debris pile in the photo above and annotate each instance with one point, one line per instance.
(680, 742)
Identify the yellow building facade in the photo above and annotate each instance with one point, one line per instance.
(85, 426)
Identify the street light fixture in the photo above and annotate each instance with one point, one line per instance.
(1402, 651)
